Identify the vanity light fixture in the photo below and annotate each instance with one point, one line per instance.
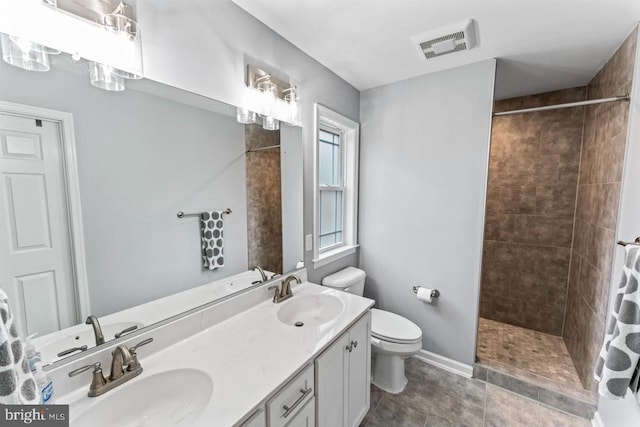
(270, 123)
(245, 116)
(103, 77)
(122, 25)
(25, 54)
(292, 98)
(117, 19)
(269, 93)
(273, 99)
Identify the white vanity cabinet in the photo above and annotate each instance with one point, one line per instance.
(331, 392)
(258, 419)
(343, 374)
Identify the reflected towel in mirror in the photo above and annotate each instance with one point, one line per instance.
(212, 239)
(17, 385)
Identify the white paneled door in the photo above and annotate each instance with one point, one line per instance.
(36, 268)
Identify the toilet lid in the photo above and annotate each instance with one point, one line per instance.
(392, 327)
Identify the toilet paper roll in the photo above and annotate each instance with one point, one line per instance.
(424, 294)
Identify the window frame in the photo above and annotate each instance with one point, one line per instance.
(349, 131)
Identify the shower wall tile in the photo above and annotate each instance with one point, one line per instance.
(556, 200)
(499, 227)
(264, 199)
(605, 131)
(533, 229)
(533, 174)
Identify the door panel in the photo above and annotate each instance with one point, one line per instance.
(21, 146)
(28, 214)
(40, 305)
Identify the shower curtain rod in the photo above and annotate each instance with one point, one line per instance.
(569, 105)
(271, 147)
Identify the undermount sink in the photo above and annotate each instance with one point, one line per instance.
(172, 398)
(310, 310)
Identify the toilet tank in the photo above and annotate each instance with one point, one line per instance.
(349, 280)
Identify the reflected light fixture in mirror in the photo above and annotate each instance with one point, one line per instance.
(292, 98)
(269, 123)
(245, 116)
(102, 77)
(122, 25)
(26, 54)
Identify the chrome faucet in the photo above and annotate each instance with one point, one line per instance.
(97, 330)
(283, 292)
(261, 271)
(121, 357)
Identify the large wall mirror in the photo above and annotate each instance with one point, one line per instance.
(131, 161)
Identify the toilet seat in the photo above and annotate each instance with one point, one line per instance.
(390, 327)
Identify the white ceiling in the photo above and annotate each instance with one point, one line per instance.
(541, 45)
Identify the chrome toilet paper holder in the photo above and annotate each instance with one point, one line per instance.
(434, 293)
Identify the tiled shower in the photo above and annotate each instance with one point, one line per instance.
(264, 198)
(552, 203)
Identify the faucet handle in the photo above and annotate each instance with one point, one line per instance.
(134, 356)
(96, 367)
(140, 344)
(98, 381)
(276, 295)
(126, 331)
(72, 350)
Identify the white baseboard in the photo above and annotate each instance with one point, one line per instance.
(597, 420)
(445, 363)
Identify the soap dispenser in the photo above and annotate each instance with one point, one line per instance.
(44, 383)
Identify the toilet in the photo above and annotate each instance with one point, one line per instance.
(393, 337)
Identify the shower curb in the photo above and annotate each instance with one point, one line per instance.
(543, 395)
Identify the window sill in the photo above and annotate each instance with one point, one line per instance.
(334, 255)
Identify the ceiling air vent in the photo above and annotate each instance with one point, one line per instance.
(454, 38)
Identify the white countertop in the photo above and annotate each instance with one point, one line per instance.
(248, 356)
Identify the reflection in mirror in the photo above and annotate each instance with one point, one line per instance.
(92, 182)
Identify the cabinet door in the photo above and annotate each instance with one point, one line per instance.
(359, 371)
(332, 374)
(306, 417)
(258, 419)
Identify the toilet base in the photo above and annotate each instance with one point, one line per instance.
(388, 373)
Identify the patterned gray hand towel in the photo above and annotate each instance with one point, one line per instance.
(212, 239)
(17, 385)
(620, 352)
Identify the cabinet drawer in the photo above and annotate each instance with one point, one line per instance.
(291, 399)
(306, 417)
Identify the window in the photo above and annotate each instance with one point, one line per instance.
(336, 181)
(331, 188)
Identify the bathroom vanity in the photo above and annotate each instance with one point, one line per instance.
(241, 362)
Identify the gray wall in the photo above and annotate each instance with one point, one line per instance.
(203, 47)
(423, 172)
(626, 412)
(292, 196)
(141, 159)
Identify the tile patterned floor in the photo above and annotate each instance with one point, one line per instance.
(437, 398)
(532, 352)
